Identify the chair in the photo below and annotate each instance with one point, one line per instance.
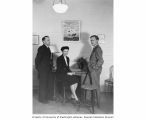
(65, 88)
(62, 92)
(108, 83)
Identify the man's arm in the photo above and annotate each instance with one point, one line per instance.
(38, 58)
(99, 57)
(97, 62)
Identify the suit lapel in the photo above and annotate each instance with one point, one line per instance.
(63, 60)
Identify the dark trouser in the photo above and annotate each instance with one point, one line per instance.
(45, 86)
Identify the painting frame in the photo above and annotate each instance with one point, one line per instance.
(101, 38)
(71, 30)
(35, 39)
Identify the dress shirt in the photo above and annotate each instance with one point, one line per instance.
(65, 60)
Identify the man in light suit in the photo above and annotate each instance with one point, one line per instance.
(95, 63)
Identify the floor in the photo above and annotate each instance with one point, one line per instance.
(56, 107)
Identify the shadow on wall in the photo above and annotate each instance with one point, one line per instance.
(86, 49)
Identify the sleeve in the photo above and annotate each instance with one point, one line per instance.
(99, 57)
(98, 61)
(38, 58)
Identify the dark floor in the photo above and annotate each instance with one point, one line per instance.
(56, 107)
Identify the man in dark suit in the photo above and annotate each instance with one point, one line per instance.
(64, 74)
(95, 63)
(42, 64)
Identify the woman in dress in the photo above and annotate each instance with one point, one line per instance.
(64, 75)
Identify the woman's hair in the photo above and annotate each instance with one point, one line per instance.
(64, 47)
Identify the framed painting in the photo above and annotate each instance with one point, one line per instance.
(35, 39)
(101, 38)
(71, 30)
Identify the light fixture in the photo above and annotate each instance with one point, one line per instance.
(60, 6)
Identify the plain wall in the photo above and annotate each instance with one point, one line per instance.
(96, 17)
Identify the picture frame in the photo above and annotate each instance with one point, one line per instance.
(101, 38)
(71, 30)
(35, 39)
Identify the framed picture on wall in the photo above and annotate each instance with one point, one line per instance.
(35, 39)
(101, 38)
(71, 30)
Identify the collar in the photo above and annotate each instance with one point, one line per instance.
(46, 46)
(65, 56)
(95, 46)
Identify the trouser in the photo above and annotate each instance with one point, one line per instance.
(95, 75)
(45, 86)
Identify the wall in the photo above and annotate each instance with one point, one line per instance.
(96, 17)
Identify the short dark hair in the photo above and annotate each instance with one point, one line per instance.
(96, 37)
(44, 38)
(64, 47)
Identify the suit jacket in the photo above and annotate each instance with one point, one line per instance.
(43, 59)
(96, 59)
(62, 68)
